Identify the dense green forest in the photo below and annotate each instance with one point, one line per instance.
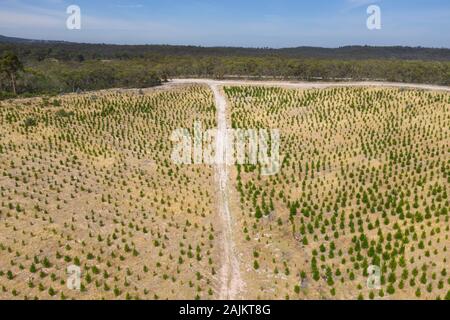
(53, 67)
(39, 50)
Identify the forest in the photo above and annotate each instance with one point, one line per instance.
(54, 67)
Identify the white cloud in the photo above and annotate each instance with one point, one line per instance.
(29, 16)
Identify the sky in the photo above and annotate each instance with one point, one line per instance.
(248, 23)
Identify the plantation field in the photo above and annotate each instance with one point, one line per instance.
(88, 180)
(364, 181)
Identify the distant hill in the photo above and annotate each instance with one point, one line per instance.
(12, 39)
(37, 49)
(5, 39)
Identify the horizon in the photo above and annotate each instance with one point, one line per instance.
(218, 46)
(250, 24)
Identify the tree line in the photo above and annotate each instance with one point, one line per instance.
(35, 68)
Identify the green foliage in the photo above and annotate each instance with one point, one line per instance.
(11, 65)
(30, 122)
(56, 67)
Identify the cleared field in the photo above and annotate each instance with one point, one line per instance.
(88, 180)
(364, 181)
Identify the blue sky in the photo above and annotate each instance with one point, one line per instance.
(250, 23)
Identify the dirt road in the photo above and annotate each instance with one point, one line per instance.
(230, 276)
(312, 85)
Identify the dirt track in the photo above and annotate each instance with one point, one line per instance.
(230, 276)
(312, 85)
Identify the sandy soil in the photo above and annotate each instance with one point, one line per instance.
(230, 276)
